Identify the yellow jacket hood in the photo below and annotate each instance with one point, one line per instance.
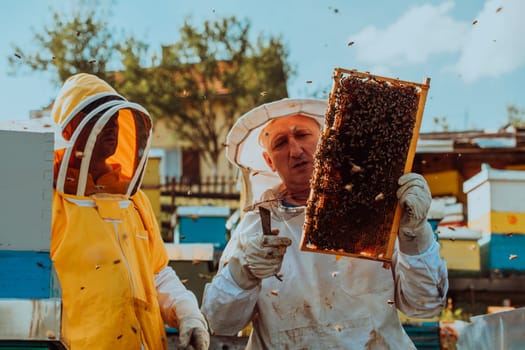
(106, 134)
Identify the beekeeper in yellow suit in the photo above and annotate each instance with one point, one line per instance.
(118, 291)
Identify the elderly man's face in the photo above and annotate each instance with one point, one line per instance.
(290, 145)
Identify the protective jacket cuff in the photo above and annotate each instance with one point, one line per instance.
(241, 275)
(417, 241)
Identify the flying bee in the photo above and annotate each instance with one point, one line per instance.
(379, 197)
(50, 334)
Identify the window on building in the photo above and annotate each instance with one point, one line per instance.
(191, 169)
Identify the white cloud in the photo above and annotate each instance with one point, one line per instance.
(418, 34)
(496, 43)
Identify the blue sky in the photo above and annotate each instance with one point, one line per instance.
(473, 51)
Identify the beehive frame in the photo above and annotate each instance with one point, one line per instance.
(352, 209)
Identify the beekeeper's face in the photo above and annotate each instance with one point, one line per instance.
(107, 139)
(290, 144)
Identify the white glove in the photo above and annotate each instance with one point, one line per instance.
(180, 309)
(193, 332)
(261, 257)
(415, 233)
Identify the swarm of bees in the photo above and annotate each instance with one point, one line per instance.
(362, 152)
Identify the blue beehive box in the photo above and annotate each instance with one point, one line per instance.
(424, 335)
(202, 224)
(503, 252)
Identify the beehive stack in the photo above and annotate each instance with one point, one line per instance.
(368, 142)
(496, 209)
(30, 305)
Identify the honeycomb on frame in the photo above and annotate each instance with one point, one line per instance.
(368, 141)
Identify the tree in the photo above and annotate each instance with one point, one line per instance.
(82, 42)
(516, 116)
(202, 83)
(441, 124)
(206, 79)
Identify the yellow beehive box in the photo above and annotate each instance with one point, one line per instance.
(495, 201)
(445, 183)
(460, 248)
(151, 184)
(515, 167)
(499, 222)
(495, 309)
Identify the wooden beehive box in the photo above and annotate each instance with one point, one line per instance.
(368, 141)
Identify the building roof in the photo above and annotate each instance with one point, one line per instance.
(471, 141)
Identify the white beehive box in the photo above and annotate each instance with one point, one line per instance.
(26, 184)
(495, 201)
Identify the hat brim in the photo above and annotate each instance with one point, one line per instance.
(242, 143)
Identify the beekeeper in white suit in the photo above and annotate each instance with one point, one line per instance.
(323, 301)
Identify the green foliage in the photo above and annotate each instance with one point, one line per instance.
(68, 45)
(206, 79)
(516, 116)
(201, 84)
(441, 124)
(449, 313)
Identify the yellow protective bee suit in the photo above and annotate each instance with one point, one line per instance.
(117, 290)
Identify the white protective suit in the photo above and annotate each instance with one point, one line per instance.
(324, 301)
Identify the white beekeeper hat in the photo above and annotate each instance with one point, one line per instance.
(243, 148)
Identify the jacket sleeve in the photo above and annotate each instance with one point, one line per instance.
(227, 307)
(177, 304)
(421, 282)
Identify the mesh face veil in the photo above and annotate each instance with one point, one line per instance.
(103, 130)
